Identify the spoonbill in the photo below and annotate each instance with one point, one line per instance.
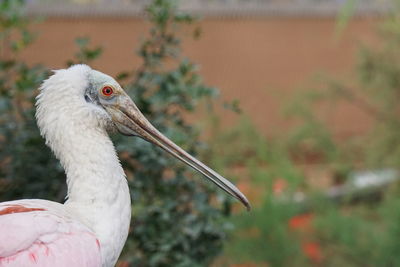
(75, 109)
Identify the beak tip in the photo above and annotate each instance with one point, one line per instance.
(248, 207)
(245, 202)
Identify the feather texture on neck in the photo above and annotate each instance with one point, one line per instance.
(76, 131)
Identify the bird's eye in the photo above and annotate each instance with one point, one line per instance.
(107, 90)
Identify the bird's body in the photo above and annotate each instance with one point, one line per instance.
(75, 109)
(98, 203)
(43, 233)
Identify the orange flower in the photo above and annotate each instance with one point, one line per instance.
(301, 221)
(313, 251)
(279, 186)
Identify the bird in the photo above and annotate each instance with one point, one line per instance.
(76, 109)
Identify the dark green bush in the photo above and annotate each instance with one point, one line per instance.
(174, 223)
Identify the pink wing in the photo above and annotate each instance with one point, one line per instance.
(37, 233)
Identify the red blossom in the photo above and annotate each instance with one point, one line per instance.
(301, 221)
(279, 186)
(313, 251)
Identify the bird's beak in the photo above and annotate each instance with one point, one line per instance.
(130, 121)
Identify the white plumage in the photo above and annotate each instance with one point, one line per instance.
(76, 131)
(75, 109)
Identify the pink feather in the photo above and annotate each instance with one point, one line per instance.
(41, 234)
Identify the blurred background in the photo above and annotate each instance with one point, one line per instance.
(296, 101)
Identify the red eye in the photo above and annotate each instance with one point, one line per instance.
(107, 90)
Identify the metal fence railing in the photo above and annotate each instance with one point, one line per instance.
(206, 7)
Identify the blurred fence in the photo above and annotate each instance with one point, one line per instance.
(209, 8)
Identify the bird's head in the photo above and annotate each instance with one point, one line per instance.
(106, 104)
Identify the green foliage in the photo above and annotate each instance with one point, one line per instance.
(360, 231)
(344, 16)
(261, 236)
(85, 54)
(264, 236)
(24, 158)
(174, 222)
(367, 234)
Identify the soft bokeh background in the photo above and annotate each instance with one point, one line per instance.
(306, 121)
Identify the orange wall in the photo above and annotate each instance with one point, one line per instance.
(259, 61)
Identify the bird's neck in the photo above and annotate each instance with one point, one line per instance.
(98, 193)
